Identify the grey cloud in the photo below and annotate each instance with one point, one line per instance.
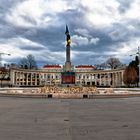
(82, 32)
(52, 37)
(124, 5)
(29, 19)
(32, 48)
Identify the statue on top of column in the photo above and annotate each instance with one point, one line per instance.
(68, 36)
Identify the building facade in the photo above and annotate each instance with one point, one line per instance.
(51, 75)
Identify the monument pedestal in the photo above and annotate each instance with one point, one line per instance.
(68, 77)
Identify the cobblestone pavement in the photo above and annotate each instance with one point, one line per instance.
(69, 119)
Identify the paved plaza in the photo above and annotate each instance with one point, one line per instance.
(69, 119)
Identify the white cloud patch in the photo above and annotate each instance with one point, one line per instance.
(82, 41)
(79, 40)
(94, 41)
(101, 13)
(133, 12)
(131, 28)
(36, 13)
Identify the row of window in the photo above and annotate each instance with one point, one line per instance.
(93, 76)
(49, 76)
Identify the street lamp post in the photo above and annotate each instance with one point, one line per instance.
(139, 64)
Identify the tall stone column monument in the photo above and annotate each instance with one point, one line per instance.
(68, 55)
(68, 76)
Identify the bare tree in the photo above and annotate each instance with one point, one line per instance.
(28, 62)
(114, 63)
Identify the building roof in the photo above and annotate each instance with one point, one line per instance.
(51, 66)
(3, 69)
(85, 66)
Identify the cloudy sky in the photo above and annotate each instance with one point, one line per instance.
(99, 29)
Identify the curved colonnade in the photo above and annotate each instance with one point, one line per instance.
(99, 78)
